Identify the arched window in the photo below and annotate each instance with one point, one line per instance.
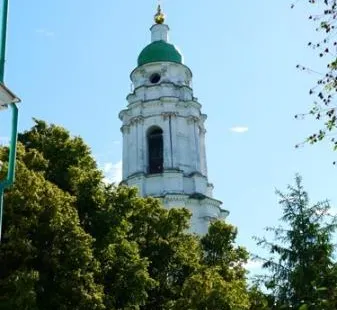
(155, 150)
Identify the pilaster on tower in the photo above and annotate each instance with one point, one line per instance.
(163, 131)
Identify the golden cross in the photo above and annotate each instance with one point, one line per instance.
(159, 18)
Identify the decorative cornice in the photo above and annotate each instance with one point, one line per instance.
(212, 202)
(167, 115)
(196, 173)
(180, 103)
(155, 64)
(186, 103)
(136, 120)
(142, 72)
(140, 119)
(123, 113)
(156, 101)
(125, 129)
(220, 213)
(162, 83)
(202, 130)
(193, 119)
(175, 197)
(224, 213)
(168, 172)
(203, 117)
(205, 200)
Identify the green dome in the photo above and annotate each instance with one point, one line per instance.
(159, 51)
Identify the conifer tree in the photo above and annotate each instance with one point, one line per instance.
(302, 271)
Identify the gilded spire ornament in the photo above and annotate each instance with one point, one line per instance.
(159, 18)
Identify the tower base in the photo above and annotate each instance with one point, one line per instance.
(204, 209)
(176, 190)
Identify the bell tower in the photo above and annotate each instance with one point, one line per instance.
(163, 131)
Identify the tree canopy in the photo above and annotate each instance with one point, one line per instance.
(70, 241)
(46, 257)
(302, 270)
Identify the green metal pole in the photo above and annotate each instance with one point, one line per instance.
(1, 207)
(4, 17)
(13, 144)
(14, 135)
(11, 162)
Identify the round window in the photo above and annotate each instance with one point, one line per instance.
(155, 78)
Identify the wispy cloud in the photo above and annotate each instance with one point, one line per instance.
(44, 32)
(239, 129)
(113, 172)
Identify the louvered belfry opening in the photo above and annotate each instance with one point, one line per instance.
(155, 145)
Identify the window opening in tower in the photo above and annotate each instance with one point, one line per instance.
(155, 144)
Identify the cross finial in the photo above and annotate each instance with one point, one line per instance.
(159, 18)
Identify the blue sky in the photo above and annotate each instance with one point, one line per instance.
(70, 60)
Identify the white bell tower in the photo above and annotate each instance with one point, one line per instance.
(164, 133)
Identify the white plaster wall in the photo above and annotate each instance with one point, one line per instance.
(203, 211)
(171, 106)
(170, 181)
(159, 32)
(184, 155)
(169, 71)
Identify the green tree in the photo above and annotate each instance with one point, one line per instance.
(206, 289)
(62, 152)
(69, 165)
(219, 282)
(220, 251)
(159, 237)
(302, 271)
(258, 299)
(46, 258)
(73, 242)
(177, 261)
(126, 277)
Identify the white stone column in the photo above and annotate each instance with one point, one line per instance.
(141, 144)
(203, 159)
(193, 149)
(133, 152)
(138, 141)
(125, 131)
(197, 145)
(174, 138)
(166, 140)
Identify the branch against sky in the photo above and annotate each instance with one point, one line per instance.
(324, 91)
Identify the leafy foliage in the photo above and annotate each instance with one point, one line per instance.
(206, 289)
(46, 258)
(258, 299)
(69, 165)
(72, 242)
(221, 252)
(324, 107)
(302, 269)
